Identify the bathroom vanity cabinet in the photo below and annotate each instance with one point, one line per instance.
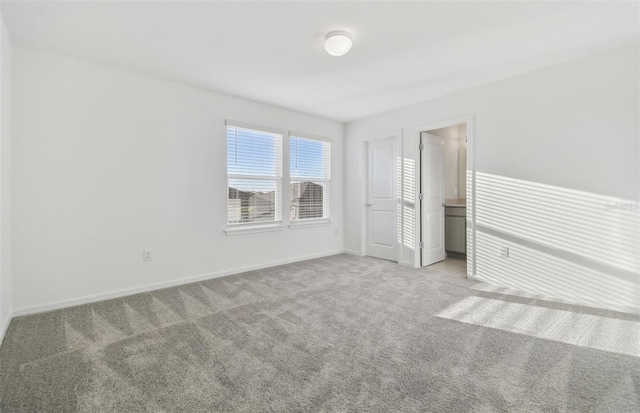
(455, 227)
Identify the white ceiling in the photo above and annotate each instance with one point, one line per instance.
(272, 52)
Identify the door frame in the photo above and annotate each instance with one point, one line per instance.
(471, 192)
(397, 134)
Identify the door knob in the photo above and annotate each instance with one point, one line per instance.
(369, 204)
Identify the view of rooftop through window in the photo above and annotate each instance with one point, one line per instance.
(310, 167)
(254, 171)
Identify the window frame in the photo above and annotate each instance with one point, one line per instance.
(326, 200)
(252, 227)
(283, 210)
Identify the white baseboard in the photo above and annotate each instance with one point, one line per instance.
(352, 252)
(4, 327)
(573, 300)
(151, 287)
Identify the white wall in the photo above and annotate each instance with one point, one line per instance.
(450, 154)
(107, 163)
(570, 130)
(5, 178)
(462, 175)
(462, 135)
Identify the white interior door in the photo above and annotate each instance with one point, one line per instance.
(432, 186)
(382, 199)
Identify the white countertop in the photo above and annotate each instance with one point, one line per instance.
(457, 202)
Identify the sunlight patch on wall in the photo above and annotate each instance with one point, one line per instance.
(532, 270)
(400, 197)
(584, 330)
(408, 203)
(596, 227)
(469, 233)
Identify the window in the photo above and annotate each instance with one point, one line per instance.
(254, 176)
(310, 177)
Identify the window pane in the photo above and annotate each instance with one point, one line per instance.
(253, 200)
(308, 199)
(251, 152)
(254, 170)
(310, 158)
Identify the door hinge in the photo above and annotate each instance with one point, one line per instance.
(421, 244)
(421, 196)
(421, 147)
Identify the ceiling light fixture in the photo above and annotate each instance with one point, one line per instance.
(337, 43)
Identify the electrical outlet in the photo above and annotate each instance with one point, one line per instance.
(336, 232)
(146, 255)
(455, 191)
(504, 252)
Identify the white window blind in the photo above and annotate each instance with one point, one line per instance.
(310, 178)
(254, 176)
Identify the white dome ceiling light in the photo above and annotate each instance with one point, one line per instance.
(337, 43)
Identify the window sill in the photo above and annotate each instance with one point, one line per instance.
(253, 229)
(310, 223)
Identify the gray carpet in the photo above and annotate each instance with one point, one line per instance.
(341, 333)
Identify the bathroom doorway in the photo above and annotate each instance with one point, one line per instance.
(445, 220)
